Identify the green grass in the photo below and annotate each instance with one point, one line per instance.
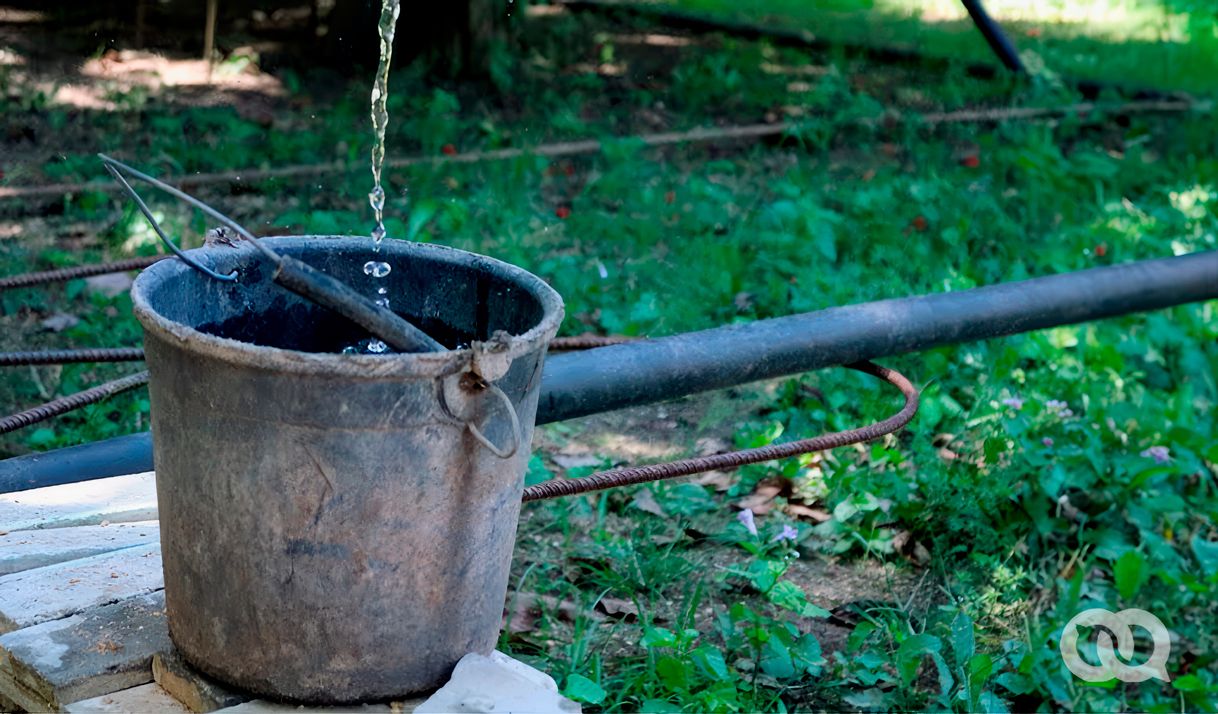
(1013, 516)
(1138, 43)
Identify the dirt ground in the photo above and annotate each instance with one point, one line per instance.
(676, 429)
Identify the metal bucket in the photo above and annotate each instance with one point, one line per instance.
(339, 528)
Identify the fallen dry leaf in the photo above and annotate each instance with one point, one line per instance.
(575, 461)
(761, 501)
(527, 609)
(618, 609)
(645, 500)
(110, 284)
(60, 321)
(709, 446)
(799, 510)
(719, 480)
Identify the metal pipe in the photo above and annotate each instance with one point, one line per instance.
(999, 43)
(648, 371)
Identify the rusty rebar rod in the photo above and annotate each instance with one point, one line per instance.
(66, 404)
(26, 280)
(556, 488)
(102, 354)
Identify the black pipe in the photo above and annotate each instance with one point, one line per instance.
(999, 43)
(581, 383)
(131, 454)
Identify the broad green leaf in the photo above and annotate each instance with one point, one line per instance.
(659, 637)
(790, 596)
(1207, 555)
(1188, 683)
(991, 704)
(776, 660)
(910, 654)
(673, 672)
(582, 689)
(1130, 572)
(962, 638)
(711, 661)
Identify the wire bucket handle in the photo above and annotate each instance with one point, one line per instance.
(293, 274)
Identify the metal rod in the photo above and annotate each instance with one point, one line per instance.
(63, 405)
(26, 280)
(650, 371)
(630, 475)
(100, 354)
(999, 43)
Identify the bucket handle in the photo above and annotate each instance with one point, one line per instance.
(515, 420)
(470, 382)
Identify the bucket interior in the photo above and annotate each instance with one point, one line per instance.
(454, 296)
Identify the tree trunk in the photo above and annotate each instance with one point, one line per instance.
(456, 35)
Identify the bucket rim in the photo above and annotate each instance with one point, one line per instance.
(359, 366)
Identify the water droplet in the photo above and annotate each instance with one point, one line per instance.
(376, 269)
(350, 350)
(377, 198)
(378, 234)
(375, 346)
(382, 290)
(383, 302)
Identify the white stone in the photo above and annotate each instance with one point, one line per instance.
(117, 499)
(109, 284)
(64, 589)
(24, 550)
(499, 684)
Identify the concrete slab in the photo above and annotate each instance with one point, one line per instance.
(145, 698)
(118, 499)
(56, 591)
(198, 692)
(85, 655)
(28, 549)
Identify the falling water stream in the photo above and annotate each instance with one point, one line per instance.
(378, 269)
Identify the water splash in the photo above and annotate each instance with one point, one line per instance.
(377, 269)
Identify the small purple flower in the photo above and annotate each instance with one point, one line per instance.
(1160, 454)
(1047, 441)
(787, 533)
(746, 517)
(1015, 403)
(1056, 405)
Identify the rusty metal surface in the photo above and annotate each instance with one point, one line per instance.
(331, 531)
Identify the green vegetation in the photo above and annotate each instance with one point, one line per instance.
(1046, 473)
(1166, 45)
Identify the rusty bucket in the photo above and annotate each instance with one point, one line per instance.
(339, 527)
